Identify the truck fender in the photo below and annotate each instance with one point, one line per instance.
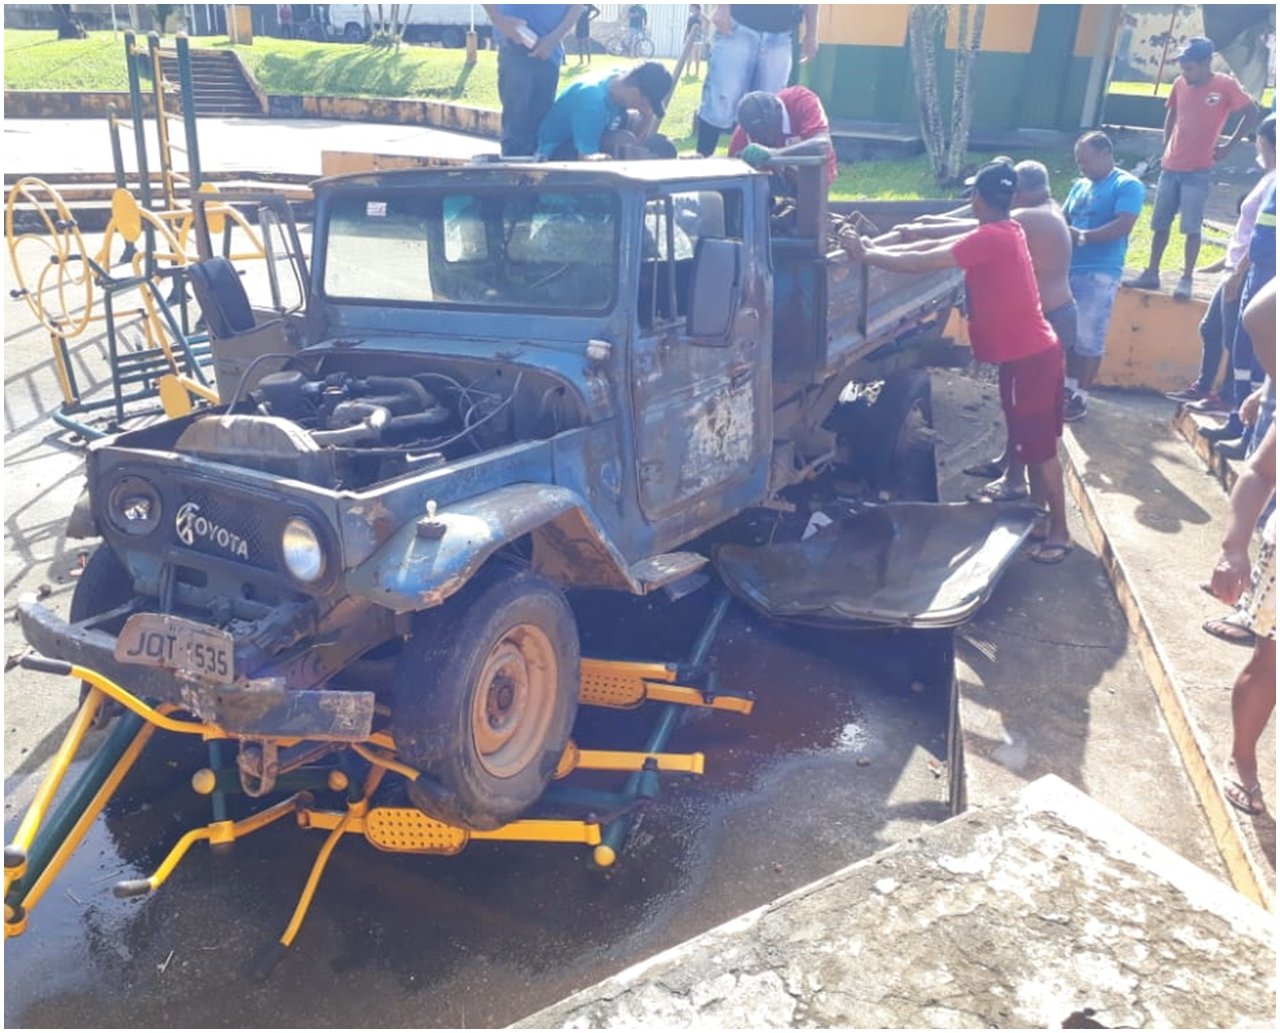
(432, 557)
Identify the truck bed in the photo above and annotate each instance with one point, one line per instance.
(831, 313)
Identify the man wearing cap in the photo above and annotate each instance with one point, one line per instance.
(589, 109)
(1049, 243)
(1006, 326)
(1198, 107)
(530, 54)
(789, 124)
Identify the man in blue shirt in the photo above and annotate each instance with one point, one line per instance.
(1101, 209)
(588, 109)
(529, 58)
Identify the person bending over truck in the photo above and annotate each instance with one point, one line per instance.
(1006, 326)
(1049, 242)
(593, 116)
(789, 124)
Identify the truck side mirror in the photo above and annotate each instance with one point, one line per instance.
(713, 286)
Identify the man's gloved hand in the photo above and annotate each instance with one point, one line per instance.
(756, 155)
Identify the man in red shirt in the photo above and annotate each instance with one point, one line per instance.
(788, 124)
(1197, 110)
(1006, 326)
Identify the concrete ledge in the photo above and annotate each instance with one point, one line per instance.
(1153, 342)
(95, 104)
(437, 114)
(1188, 424)
(1044, 910)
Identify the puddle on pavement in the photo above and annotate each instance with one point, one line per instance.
(486, 937)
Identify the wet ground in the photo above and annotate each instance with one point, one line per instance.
(844, 754)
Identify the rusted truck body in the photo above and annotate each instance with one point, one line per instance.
(501, 382)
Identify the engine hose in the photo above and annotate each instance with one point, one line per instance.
(372, 419)
(401, 396)
(406, 428)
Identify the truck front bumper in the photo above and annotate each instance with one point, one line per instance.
(249, 708)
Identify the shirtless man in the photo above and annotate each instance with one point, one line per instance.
(1049, 241)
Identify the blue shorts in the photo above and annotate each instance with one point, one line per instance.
(1185, 192)
(741, 62)
(1095, 294)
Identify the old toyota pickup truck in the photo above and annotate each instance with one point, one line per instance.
(501, 382)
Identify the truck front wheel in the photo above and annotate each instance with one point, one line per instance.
(485, 696)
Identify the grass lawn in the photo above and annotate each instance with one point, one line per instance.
(37, 60)
(1144, 89)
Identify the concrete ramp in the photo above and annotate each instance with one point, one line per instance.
(1044, 910)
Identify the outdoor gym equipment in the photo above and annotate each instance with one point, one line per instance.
(59, 279)
(334, 785)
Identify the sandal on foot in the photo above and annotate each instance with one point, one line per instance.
(997, 491)
(1229, 629)
(1246, 799)
(1054, 552)
(990, 469)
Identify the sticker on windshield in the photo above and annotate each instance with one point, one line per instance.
(376, 209)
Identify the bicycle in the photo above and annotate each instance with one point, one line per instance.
(631, 43)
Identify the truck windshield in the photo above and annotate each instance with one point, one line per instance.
(530, 250)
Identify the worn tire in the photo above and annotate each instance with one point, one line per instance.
(880, 436)
(485, 695)
(354, 32)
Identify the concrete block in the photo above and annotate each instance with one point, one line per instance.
(1044, 910)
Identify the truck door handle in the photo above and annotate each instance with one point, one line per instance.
(740, 374)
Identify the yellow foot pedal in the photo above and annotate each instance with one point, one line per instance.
(407, 830)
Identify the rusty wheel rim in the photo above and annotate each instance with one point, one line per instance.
(514, 701)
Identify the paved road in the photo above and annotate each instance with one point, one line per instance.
(47, 146)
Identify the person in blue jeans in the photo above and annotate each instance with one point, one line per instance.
(530, 54)
(1100, 209)
(750, 51)
(1231, 440)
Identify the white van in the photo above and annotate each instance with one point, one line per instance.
(446, 24)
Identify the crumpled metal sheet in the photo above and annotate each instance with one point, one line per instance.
(908, 564)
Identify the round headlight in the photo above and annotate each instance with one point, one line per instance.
(134, 506)
(303, 554)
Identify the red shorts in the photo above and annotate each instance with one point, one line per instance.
(1031, 392)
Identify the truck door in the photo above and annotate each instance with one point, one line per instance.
(701, 415)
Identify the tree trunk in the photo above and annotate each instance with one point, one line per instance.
(922, 29)
(968, 41)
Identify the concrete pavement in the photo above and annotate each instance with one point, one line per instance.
(44, 147)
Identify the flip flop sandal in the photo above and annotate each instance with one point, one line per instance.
(1230, 630)
(1245, 799)
(997, 493)
(1054, 553)
(990, 470)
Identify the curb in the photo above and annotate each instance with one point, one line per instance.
(1238, 857)
(1188, 424)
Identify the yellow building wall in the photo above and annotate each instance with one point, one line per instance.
(1008, 27)
(867, 25)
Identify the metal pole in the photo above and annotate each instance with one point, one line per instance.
(1164, 54)
(188, 94)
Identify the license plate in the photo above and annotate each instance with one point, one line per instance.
(196, 650)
